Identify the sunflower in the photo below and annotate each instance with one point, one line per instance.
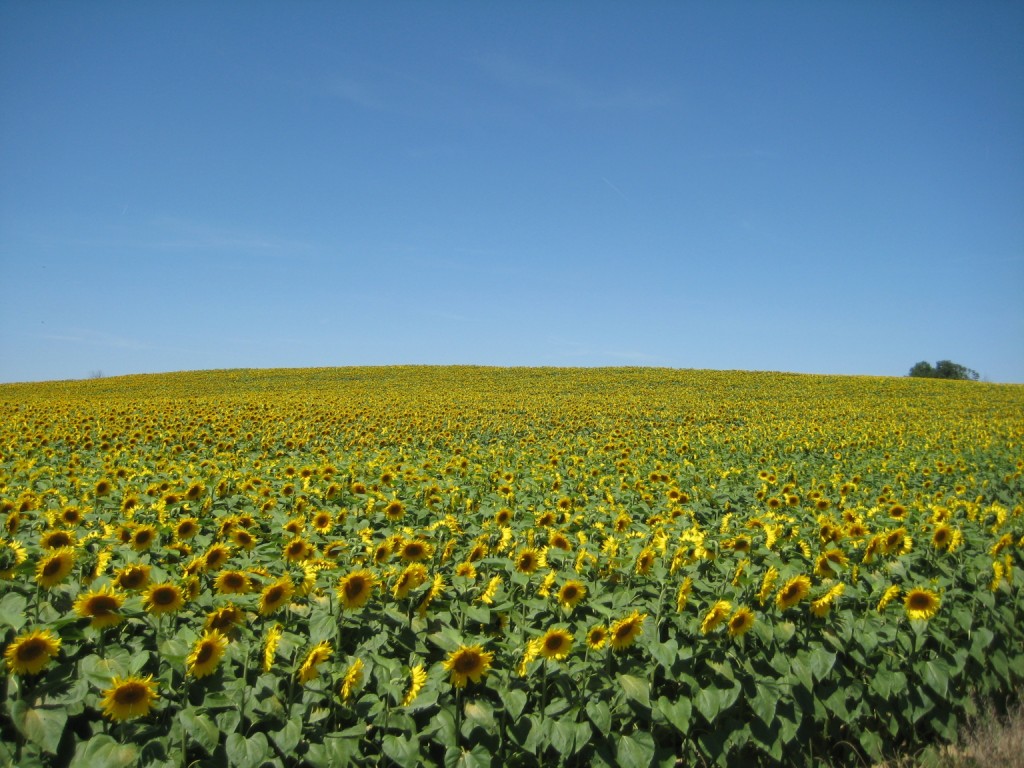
(718, 613)
(12, 554)
(30, 652)
(478, 552)
(644, 561)
(793, 591)
(466, 570)
(129, 697)
(55, 567)
(555, 644)
(414, 551)
(233, 583)
(297, 549)
(890, 594)
(103, 487)
(942, 536)
(394, 510)
(317, 655)
(767, 584)
(71, 516)
(323, 522)
(356, 588)
(186, 528)
(597, 636)
(741, 622)
(226, 619)
(133, 577)
(829, 562)
(270, 643)
(921, 603)
(143, 537)
(101, 606)
(417, 679)
(528, 560)
(683, 594)
(163, 598)
(206, 653)
(243, 539)
(487, 597)
(352, 680)
(625, 631)
(503, 516)
(414, 575)
(276, 594)
(570, 594)
(57, 539)
(468, 663)
(216, 556)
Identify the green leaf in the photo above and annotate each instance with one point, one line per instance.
(600, 715)
(246, 753)
(712, 701)
(820, 662)
(288, 737)
(333, 752)
(322, 626)
(563, 734)
(480, 713)
(677, 713)
(12, 610)
(101, 672)
(872, 744)
(935, 676)
(43, 726)
(666, 654)
(763, 705)
(800, 667)
(200, 729)
(636, 750)
(514, 701)
(403, 750)
(104, 750)
(636, 689)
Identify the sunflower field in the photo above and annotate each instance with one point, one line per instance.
(460, 566)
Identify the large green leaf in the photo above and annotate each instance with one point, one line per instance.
(677, 713)
(43, 726)
(200, 728)
(712, 701)
(600, 715)
(103, 750)
(636, 689)
(635, 751)
(404, 750)
(514, 701)
(12, 610)
(246, 752)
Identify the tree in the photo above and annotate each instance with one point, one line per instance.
(944, 369)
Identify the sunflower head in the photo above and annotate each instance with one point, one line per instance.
(129, 697)
(571, 593)
(206, 653)
(164, 598)
(55, 567)
(741, 622)
(555, 644)
(356, 588)
(468, 663)
(31, 652)
(101, 606)
(624, 632)
(921, 603)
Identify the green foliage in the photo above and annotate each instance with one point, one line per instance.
(944, 369)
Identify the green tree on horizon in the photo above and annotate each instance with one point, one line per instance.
(944, 369)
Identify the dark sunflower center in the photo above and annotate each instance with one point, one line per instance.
(354, 587)
(920, 602)
(130, 694)
(101, 605)
(164, 596)
(467, 663)
(31, 650)
(204, 654)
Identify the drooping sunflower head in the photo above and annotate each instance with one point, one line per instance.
(30, 652)
(356, 588)
(718, 613)
(206, 653)
(55, 567)
(741, 622)
(468, 663)
(129, 697)
(101, 606)
(317, 655)
(225, 620)
(921, 603)
(793, 591)
(413, 576)
(624, 632)
(276, 594)
(133, 577)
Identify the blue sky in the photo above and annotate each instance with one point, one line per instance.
(797, 186)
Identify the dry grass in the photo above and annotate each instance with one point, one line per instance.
(987, 741)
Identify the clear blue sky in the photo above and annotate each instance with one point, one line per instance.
(816, 187)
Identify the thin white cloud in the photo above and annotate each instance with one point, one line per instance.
(568, 89)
